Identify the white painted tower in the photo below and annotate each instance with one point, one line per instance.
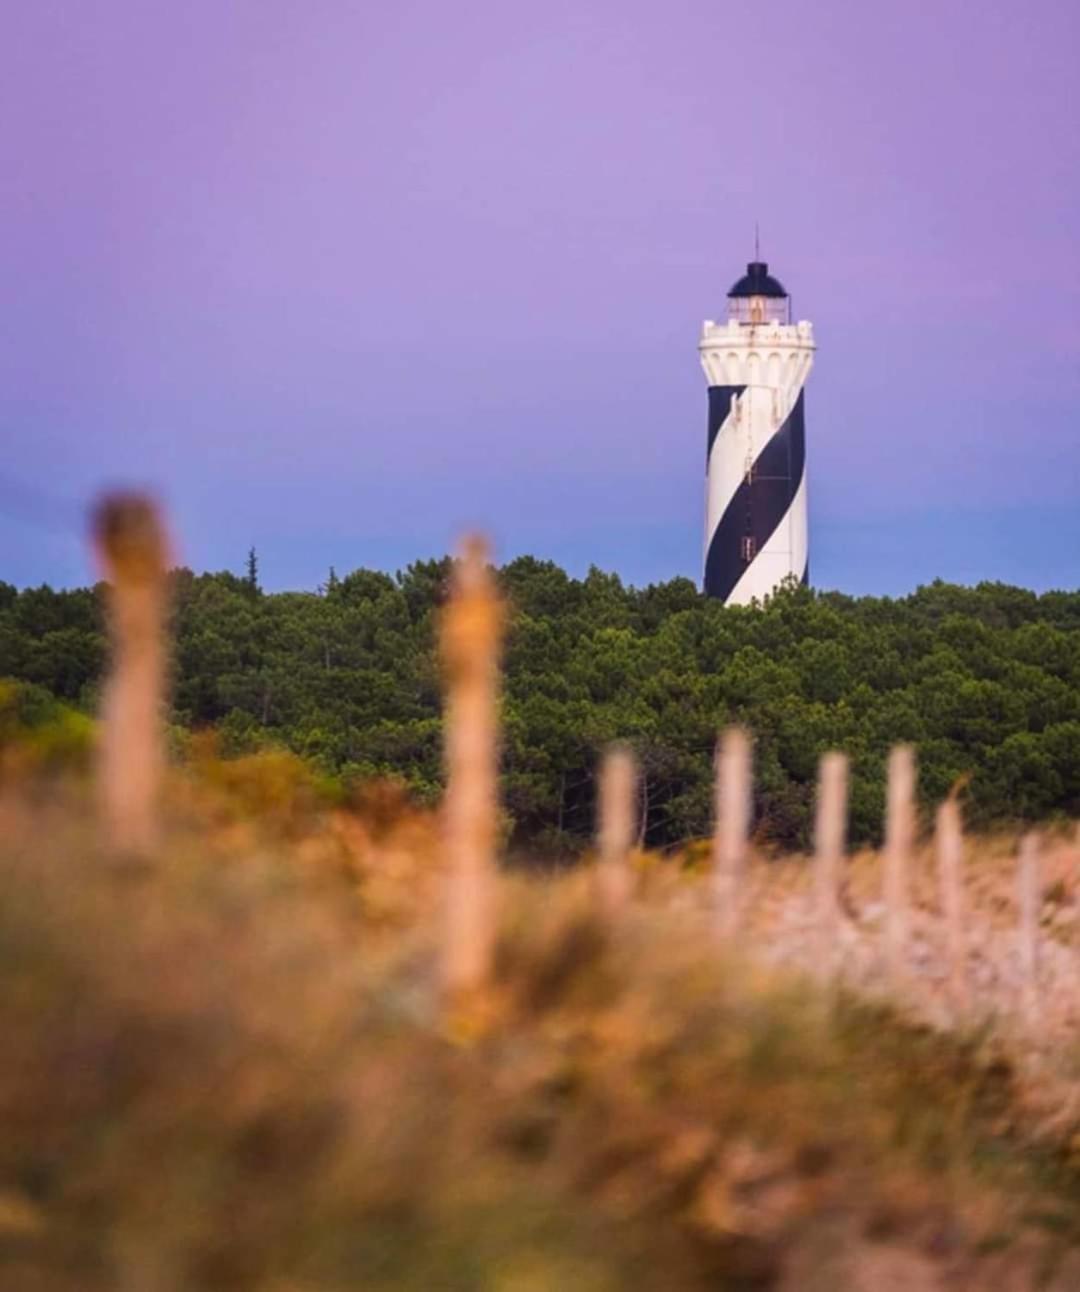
(755, 474)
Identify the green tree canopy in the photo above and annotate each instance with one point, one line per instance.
(985, 680)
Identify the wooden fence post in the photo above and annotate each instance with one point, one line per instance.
(899, 837)
(471, 635)
(131, 546)
(949, 847)
(1029, 903)
(830, 831)
(612, 881)
(732, 807)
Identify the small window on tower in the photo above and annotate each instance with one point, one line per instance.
(749, 548)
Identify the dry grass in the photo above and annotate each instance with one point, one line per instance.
(231, 1069)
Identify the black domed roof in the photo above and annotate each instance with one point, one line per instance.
(757, 281)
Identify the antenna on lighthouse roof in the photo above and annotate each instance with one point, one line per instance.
(757, 242)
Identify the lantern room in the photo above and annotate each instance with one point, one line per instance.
(758, 298)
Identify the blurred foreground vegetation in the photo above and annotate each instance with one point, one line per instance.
(228, 1070)
(984, 680)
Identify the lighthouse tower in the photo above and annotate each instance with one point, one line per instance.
(756, 363)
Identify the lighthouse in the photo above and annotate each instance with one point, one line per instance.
(756, 363)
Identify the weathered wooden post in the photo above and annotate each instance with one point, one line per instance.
(899, 838)
(830, 831)
(471, 636)
(130, 541)
(731, 828)
(1029, 903)
(612, 881)
(949, 847)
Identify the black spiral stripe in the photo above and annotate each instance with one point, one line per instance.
(760, 503)
(720, 398)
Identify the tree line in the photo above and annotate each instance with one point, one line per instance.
(985, 680)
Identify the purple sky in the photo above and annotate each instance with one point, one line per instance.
(339, 278)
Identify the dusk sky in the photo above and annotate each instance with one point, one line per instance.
(339, 279)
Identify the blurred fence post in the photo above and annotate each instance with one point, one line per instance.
(130, 541)
(731, 827)
(612, 880)
(830, 829)
(949, 847)
(1029, 903)
(471, 635)
(899, 837)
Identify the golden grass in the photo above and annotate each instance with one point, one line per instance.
(232, 1069)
